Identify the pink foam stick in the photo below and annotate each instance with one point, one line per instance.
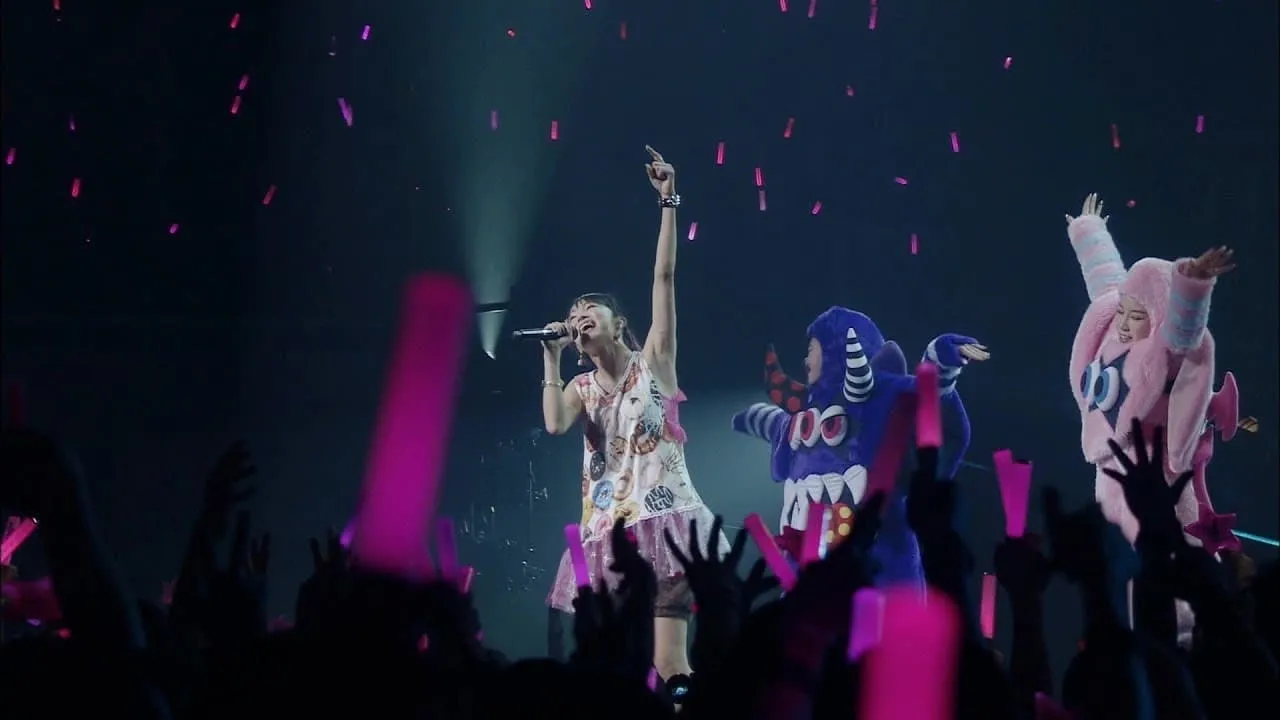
(811, 545)
(911, 676)
(865, 623)
(928, 418)
(987, 607)
(769, 550)
(883, 475)
(1015, 490)
(13, 540)
(446, 549)
(403, 477)
(578, 556)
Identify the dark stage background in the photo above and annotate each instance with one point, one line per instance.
(171, 306)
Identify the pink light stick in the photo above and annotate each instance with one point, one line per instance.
(883, 475)
(446, 549)
(911, 675)
(1015, 491)
(987, 607)
(578, 556)
(928, 418)
(402, 480)
(811, 545)
(22, 529)
(866, 623)
(769, 550)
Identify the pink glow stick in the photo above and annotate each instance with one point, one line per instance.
(883, 476)
(764, 205)
(769, 550)
(578, 556)
(22, 529)
(866, 622)
(693, 229)
(652, 680)
(720, 153)
(811, 545)
(1015, 491)
(928, 417)
(403, 477)
(817, 208)
(791, 123)
(911, 676)
(987, 607)
(468, 576)
(446, 549)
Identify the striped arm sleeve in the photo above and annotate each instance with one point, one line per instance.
(762, 421)
(1100, 261)
(1189, 298)
(947, 375)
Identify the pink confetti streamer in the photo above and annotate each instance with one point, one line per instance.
(1014, 478)
(883, 475)
(404, 475)
(587, 3)
(817, 208)
(1008, 61)
(271, 193)
(577, 556)
(791, 123)
(911, 676)
(447, 550)
(1199, 124)
(555, 130)
(493, 119)
(759, 177)
(511, 32)
(1115, 136)
(75, 187)
(10, 156)
(865, 623)
(235, 105)
(848, 91)
(915, 244)
(244, 82)
(71, 123)
(235, 21)
(173, 229)
(782, 5)
(347, 115)
(871, 23)
(693, 230)
(770, 552)
(720, 153)
(811, 542)
(955, 142)
(900, 180)
(364, 34)
(813, 8)
(622, 30)
(987, 606)
(928, 420)
(764, 204)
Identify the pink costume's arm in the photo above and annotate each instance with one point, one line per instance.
(1184, 329)
(1100, 261)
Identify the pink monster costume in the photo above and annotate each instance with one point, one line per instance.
(1165, 379)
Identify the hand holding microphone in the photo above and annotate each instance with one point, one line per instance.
(555, 336)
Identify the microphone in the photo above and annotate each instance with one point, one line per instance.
(540, 334)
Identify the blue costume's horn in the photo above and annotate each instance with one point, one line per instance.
(858, 379)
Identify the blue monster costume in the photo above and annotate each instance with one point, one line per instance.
(824, 437)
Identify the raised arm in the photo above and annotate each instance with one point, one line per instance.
(951, 352)
(1100, 261)
(660, 344)
(1189, 297)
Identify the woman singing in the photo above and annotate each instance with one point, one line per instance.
(633, 446)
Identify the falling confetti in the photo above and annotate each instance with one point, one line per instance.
(693, 230)
(587, 4)
(955, 142)
(1199, 124)
(720, 153)
(555, 130)
(848, 90)
(1115, 136)
(244, 82)
(871, 23)
(71, 123)
(364, 34)
(791, 123)
(1007, 62)
(75, 188)
(235, 105)
(622, 31)
(763, 205)
(493, 119)
(1131, 203)
(817, 208)
(813, 8)
(759, 177)
(511, 32)
(235, 21)
(345, 108)
(915, 244)
(10, 156)
(900, 180)
(173, 229)
(271, 193)
(782, 5)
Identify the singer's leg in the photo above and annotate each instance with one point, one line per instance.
(671, 609)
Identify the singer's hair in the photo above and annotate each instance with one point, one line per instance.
(611, 302)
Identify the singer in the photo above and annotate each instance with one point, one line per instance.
(633, 463)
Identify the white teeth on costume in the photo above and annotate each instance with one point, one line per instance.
(797, 495)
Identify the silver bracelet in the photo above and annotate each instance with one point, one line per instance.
(553, 383)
